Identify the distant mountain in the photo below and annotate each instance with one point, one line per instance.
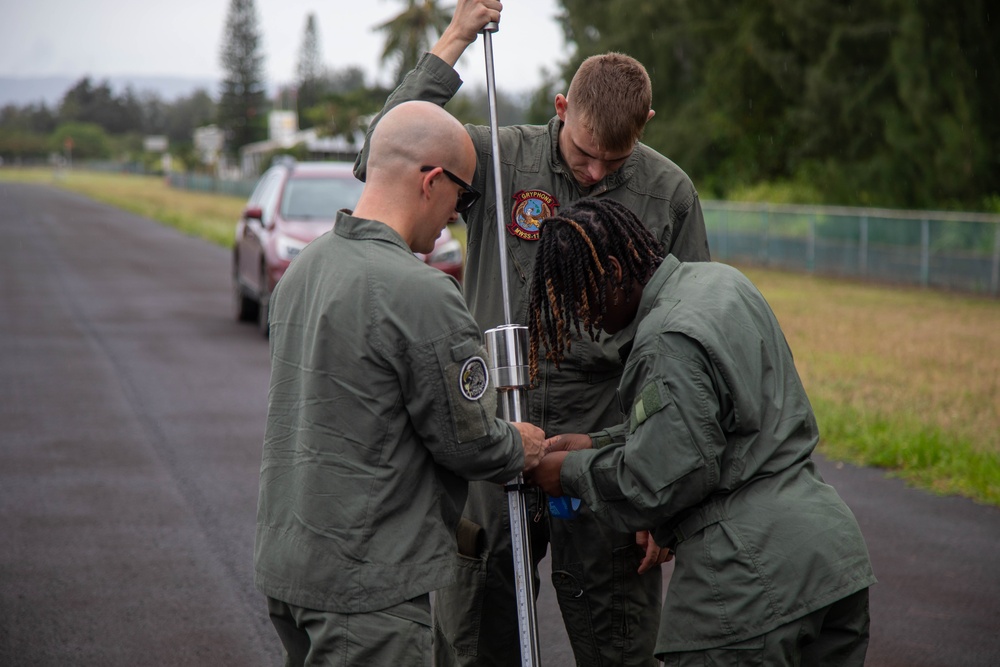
(50, 89)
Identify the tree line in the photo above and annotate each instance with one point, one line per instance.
(91, 121)
(884, 103)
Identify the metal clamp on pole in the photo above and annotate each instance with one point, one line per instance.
(507, 347)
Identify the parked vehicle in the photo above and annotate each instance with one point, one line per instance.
(292, 204)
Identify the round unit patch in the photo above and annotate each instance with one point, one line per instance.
(530, 208)
(473, 379)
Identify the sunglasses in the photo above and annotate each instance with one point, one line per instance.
(467, 198)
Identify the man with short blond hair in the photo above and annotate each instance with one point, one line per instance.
(608, 583)
(618, 77)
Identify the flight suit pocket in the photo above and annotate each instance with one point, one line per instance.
(575, 608)
(472, 397)
(602, 615)
(459, 619)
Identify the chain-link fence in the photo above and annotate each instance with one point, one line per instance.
(207, 183)
(959, 251)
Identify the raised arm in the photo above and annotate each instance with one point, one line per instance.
(434, 79)
(469, 19)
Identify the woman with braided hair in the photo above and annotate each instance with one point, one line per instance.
(580, 274)
(713, 454)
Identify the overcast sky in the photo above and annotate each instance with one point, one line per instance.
(103, 38)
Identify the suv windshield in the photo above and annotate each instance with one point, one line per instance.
(311, 198)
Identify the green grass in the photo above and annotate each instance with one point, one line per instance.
(925, 455)
(204, 215)
(906, 379)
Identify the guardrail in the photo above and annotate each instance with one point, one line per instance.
(959, 251)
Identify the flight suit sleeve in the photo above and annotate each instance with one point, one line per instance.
(432, 80)
(450, 399)
(689, 241)
(609, 437)
(673, 447)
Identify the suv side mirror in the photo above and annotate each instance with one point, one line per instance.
(253, 213)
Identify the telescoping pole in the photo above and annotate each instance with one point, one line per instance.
(507, 346)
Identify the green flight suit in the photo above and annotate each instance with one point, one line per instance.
(610, 611)
(715, 452)
(379, 410)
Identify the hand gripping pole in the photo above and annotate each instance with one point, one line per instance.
(507, 346)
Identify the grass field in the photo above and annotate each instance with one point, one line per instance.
(206, 215)
(905, 379)
(901, 378)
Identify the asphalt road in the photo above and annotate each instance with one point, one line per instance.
(131, 416)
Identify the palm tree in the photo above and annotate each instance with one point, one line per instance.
(412, 33)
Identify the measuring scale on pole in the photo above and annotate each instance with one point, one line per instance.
(507, 346)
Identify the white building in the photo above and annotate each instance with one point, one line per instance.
(283, 133)
(208, 143)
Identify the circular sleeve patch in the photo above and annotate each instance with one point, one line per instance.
(473, 379)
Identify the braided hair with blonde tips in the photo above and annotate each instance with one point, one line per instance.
(572, 272)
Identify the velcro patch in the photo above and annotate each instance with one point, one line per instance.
(653, 398)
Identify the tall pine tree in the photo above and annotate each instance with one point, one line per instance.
(243, 103)
(309, 72)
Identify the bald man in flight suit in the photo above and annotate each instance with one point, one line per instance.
(380, 410)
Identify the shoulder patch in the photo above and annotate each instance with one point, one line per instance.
(653, 398)
(473, 378)
(530, 208)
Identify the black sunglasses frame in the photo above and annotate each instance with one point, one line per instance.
(465, 199)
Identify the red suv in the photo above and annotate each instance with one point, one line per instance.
(292, 204)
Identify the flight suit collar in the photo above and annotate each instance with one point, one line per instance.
(555, 157)
(650, 294)
(362, 229)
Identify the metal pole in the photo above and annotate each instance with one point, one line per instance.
(925, 252)
(507, 347)
(863, 247)
(766, 239)
(811, 245)
(995, 277)
(491, 96)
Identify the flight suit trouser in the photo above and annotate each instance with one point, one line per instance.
(398, 635)
(611, 613)
(834, 636)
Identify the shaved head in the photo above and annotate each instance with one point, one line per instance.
(418, 133)
(406, 186)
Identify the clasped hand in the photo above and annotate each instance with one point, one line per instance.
(546, 475)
